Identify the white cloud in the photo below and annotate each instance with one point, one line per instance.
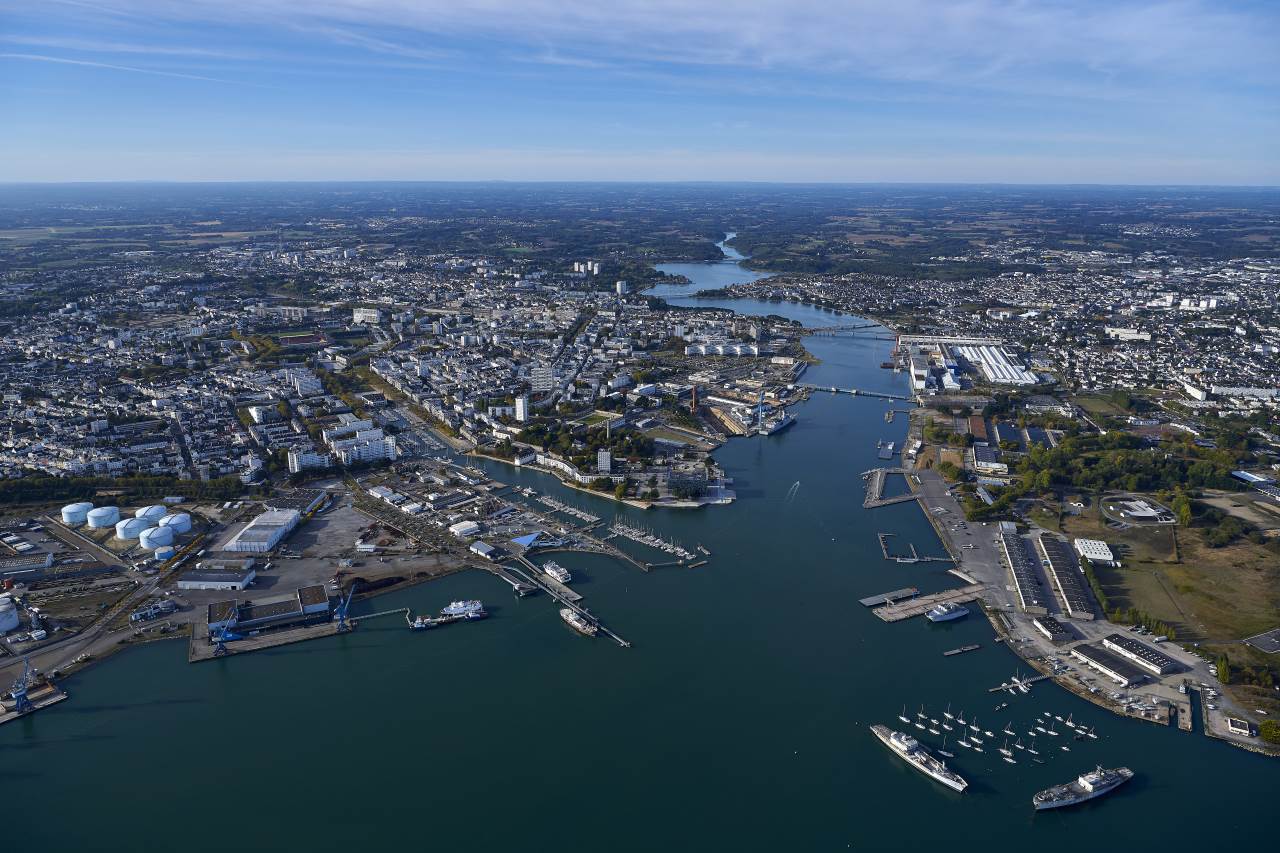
(926, 40)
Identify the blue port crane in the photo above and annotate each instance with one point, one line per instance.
(340, 612)
(20, 687)
(221, 636)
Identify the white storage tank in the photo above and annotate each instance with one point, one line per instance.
(130, 528)
(103, 516)
(155, 537)
(76, 513)
(165, 553)
(8, 615)
(153, 513)
(179, 521)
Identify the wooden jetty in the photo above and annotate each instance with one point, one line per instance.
(949, 652)
(923, 604)
(888, 597)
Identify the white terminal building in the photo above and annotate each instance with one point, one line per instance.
(265, 532)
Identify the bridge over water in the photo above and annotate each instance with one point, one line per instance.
(856, 392)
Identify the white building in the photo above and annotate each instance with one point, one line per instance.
(1095, 551)
(370, 316)
(522, 408)
(542, 378)
(303, 459)
(463, 529)
(604, 462)
(265, 532)
(367, 446)
(305, 383)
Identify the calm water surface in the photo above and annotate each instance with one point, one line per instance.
(738, 720)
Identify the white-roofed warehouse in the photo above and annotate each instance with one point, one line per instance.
(265, 532)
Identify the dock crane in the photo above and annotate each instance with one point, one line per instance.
(18, 691)
(340, 612)
(221, 637)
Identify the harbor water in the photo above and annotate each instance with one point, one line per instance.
(738, 720)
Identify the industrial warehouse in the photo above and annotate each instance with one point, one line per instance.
(1140, 653)
(1112, 666)
(265, 532)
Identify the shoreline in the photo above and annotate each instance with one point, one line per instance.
(634, 503)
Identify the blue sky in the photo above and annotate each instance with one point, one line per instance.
(772, 90)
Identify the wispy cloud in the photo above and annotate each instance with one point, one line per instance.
(83, 45)
(932, 40)
(62, 60)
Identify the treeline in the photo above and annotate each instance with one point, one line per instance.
(49, 489)
(1118, 461)
(1258, 675)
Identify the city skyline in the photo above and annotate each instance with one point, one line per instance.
(1132, 93)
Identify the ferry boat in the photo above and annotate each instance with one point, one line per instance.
(1085, 787)
(947, 611)
(423, 623)
(470, 609)
(911, 751)
(557, 572)
(578, 622)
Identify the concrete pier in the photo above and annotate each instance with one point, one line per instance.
(201, 649)
(925, 603)
(888, 597)
(874, 496)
